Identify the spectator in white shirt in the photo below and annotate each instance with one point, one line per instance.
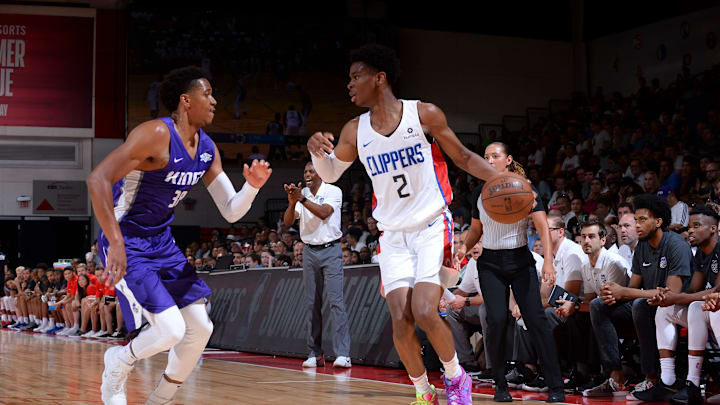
(635, 171)
(679, 210)
(572, 160)
(629, 239)
(601, 139)
(560, 183)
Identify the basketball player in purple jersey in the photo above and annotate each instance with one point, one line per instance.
(397, 141)
(134, 191)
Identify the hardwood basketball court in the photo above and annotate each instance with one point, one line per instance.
(42, 369)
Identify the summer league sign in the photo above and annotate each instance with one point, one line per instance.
(46, 70)
(60, 198)
(264, 311)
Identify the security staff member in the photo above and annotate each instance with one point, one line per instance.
(317, 206)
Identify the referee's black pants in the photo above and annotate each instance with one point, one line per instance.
(498, 271)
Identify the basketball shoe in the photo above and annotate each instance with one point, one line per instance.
(431, 398)
(458, 389)
(114, 377)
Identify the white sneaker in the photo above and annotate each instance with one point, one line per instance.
(98, 333)
(114, 377)
(343, 362)
(41, 327)
(65, 331)
(313, 361)
(88, 334)
(47, 328)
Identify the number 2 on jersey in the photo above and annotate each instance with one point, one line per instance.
(179, 195)
(404, 183)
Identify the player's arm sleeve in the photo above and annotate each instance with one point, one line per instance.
(330, 168)
(232, 205)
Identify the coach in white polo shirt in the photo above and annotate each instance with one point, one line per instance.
(317, 206)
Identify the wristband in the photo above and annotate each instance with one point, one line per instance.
(467, 301)
(303, 200)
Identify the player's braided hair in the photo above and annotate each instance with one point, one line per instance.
(514, 167)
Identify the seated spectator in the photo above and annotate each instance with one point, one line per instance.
(353, 239)
(685, 309)
(298, 254)
(346, 257)
(651, 185)
(667, 175)
(252, 261)
(680, 217)
(267, 258)
(467, 315)
(629, 305)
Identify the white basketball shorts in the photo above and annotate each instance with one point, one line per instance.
(409, 257)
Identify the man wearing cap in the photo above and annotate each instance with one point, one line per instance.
(317, 206)
(678, 209)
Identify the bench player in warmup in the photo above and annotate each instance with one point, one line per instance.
(397, 142)
(134, 191)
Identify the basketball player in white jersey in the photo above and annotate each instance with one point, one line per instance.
(397, 141)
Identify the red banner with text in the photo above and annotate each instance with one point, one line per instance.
(46, 71)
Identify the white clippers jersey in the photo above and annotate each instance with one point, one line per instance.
(408, 173)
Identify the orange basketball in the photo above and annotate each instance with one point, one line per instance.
(507, 198)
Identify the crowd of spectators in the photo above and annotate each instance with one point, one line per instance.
(589, 163)
(69, 299)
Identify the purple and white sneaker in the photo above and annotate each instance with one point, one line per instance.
(458, 390)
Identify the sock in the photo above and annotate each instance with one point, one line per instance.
(76, 326)
(14, 318)
(32, 318)
(667, 371)
(60, 325)
(422, 385)
(4, 318)
(452, 368)
(51, 323)
(25, 319)
(694, 369)
(126, 355)
(164, 392)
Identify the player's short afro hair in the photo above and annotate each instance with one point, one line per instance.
(177, 82)
(379, 57)
(656, 205)
(707, 210)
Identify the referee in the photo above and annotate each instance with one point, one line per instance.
(317, 206)
(506, 261)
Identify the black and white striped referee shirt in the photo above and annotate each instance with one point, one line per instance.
(497, 236)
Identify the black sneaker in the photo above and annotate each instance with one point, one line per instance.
(572, 382)
(29, 327)
(659, 392)
(537, 385)
(689, 394)
(471, 368)
(516, 379)
(485, 376)
(556, 396)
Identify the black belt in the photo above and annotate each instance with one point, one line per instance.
(324, 246)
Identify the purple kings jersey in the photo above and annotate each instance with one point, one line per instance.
(145, 201)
